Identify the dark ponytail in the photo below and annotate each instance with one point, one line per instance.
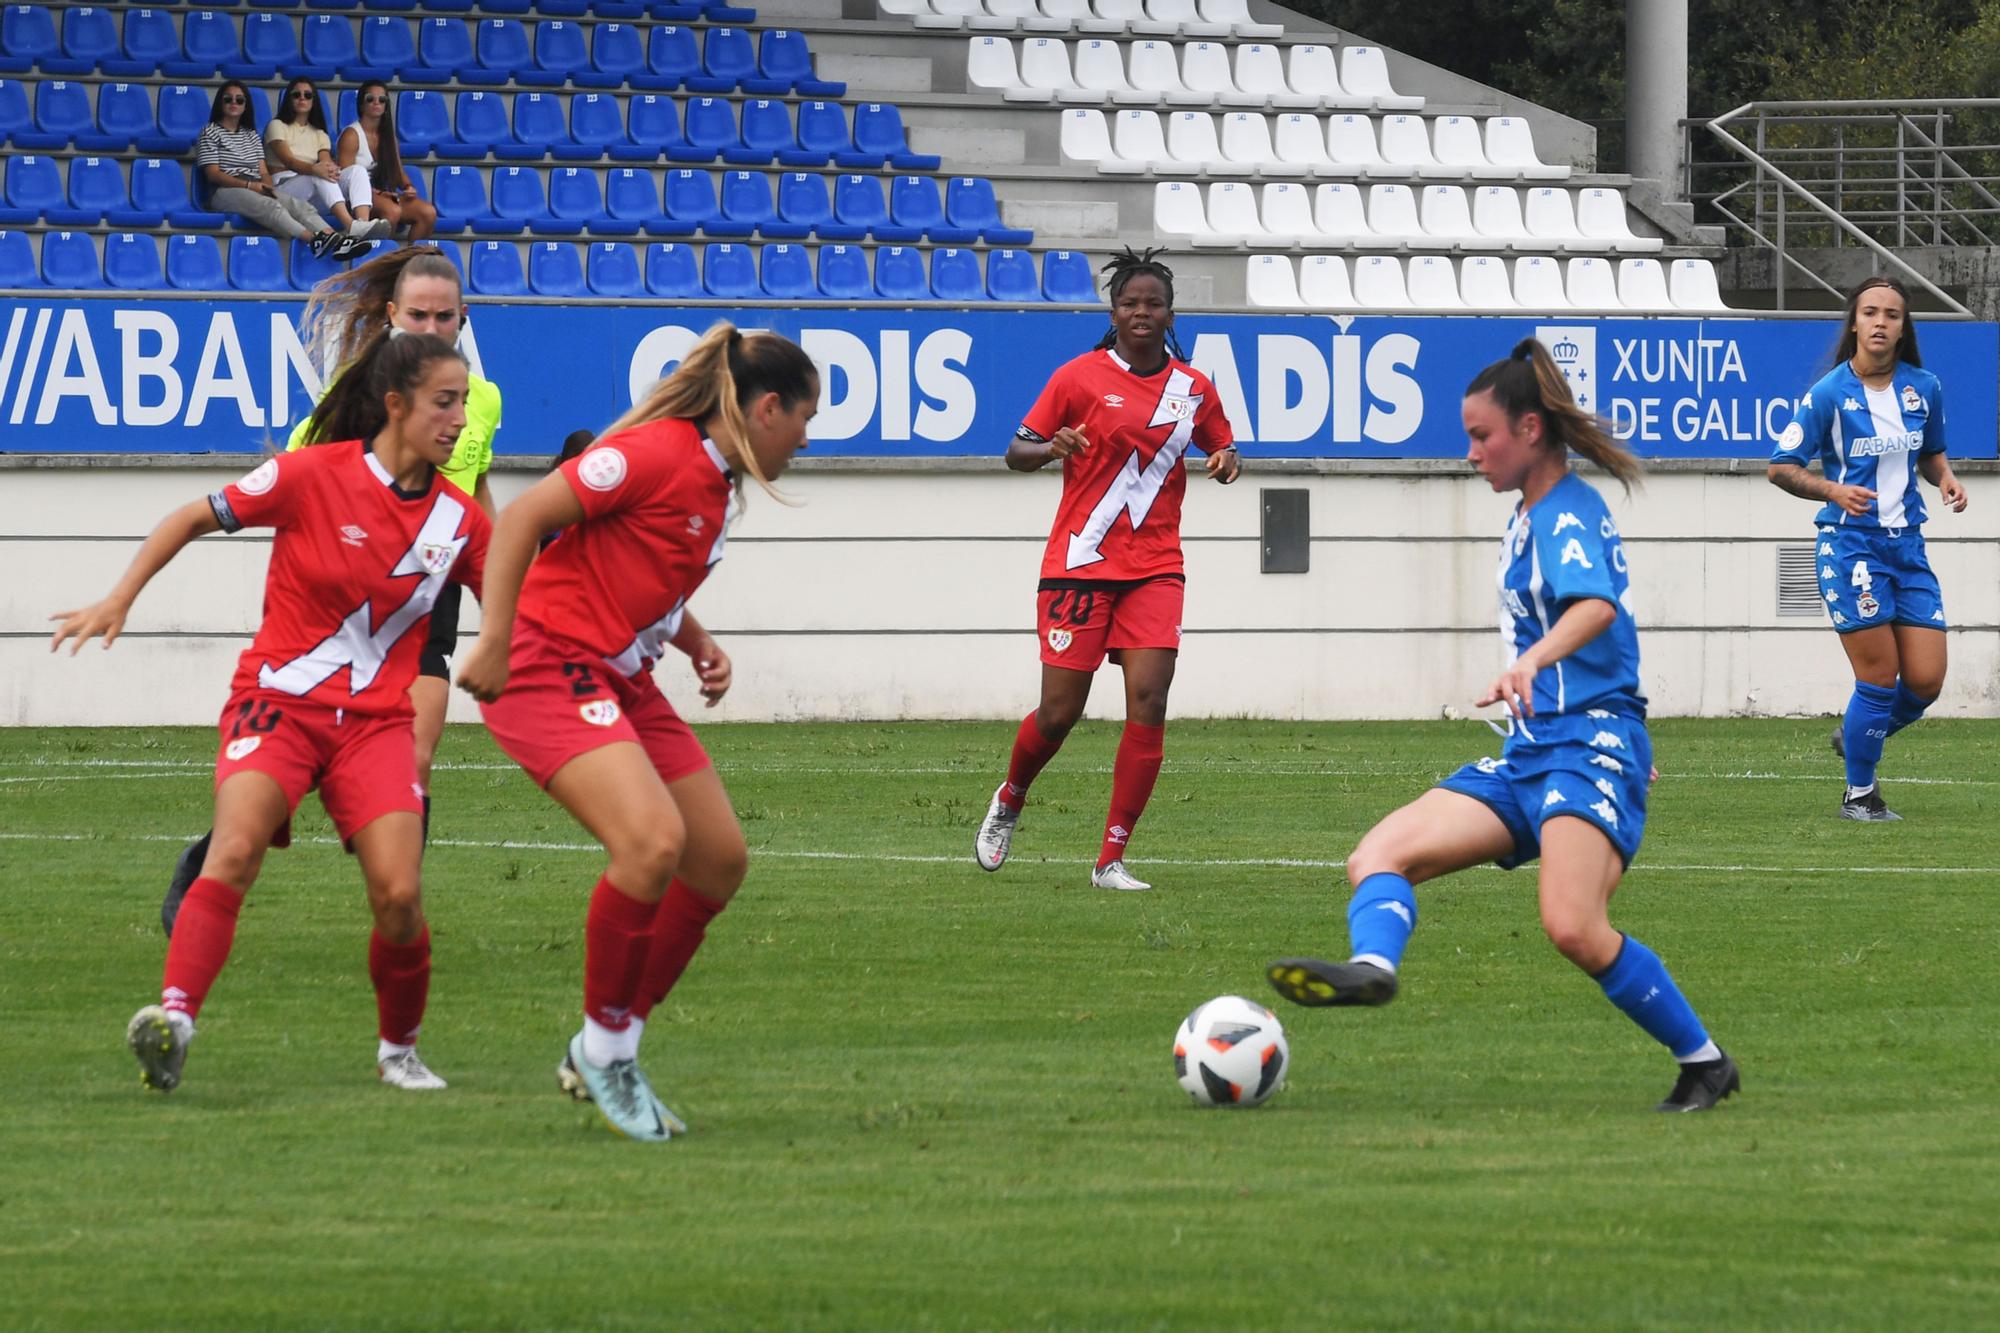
(1127, 266)
(1530, 381)
(390, 362)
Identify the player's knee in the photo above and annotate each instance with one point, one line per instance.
(1581, 938)
(648, 857)
(1926, 685)
(1149, 705)
(232, 858)
(399, 909)
(1055, 721)
(1373, 855)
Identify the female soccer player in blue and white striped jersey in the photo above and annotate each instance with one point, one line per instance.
(1875, 422)
(1570, 784)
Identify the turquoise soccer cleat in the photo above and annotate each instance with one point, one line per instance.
(621, 1094)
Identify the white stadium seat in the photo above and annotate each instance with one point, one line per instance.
(1002, 16)
(1538, 283)
(1510, 144)
(1350, 141)
(1600, 215)
(1191, 141)
(1338, 211)
(1323, 283)
(1446, 216)
(1268, 283)
(1378, 283)
(1483, 284)
(1178, 17)
(1086, 141)
(1300, 141)
(1177, 210)
(1392, 215)
(1310, 71)
(1235, 16)
(1045, 70)
(1592, 284)
(1261, 70)
(1496, 218)
(1642, 285)
(1121, 13)
(1042, 18)
(1232, 215)
(1137, 137)
(989, 65)
(1287, 215)
(1078, 16)
(1407, 143)
(949, 14)
(1364, 73)
(1693, 286)
(1100, 70)
(1551, 220)
(1246, 143)
(1455, 142)
(1205, 69)
(1433, 284)
(904, 9)
(1155, 69)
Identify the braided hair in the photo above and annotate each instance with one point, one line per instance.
(1127, 266)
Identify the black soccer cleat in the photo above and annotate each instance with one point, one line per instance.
(1868, 807)
(1840, 740)
(186, 871)
(1701, 1087)
(1316, 982)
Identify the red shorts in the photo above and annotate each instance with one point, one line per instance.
(364, 767)
(1078, 626)
(563, 700)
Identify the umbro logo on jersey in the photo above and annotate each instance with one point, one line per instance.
(1850, 406)
(1114, 400)
(695, 523)
(352, 535)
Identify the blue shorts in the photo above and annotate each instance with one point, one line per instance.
(1877, 576)
(1594, 765)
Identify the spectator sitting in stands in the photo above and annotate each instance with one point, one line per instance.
(300, 155)
(229, 160)
(370, 143)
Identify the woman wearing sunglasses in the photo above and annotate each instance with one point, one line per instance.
(229, 162)
(300, 155)
(370, 144)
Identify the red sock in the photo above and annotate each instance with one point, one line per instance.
(678, 929)
(1132, 776)
(1032, 752)
(402, 977)
(203, 932)
(615, 936)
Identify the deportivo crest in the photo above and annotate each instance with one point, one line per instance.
(262, 479)
(436, 557)
(242, 746)
(1914, 401)
(601, 468)
(1059, 640)
(1867, 605)
(599, 712)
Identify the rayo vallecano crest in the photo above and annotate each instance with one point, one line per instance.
(436, 557)
(1574, 346)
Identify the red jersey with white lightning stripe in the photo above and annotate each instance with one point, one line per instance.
(356, 565)
(656, 503)
(1120, 517)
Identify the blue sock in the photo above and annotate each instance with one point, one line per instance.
(1864, 730)
(1637, 982)
(1906, 709)
(1380, 917)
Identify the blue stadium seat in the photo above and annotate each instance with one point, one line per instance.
(554, 269)
(380, 246)
(560, 55)
(96, 190)
(1010, 276)
(445, 45)
(783, 57)
(502, 48)
(1067, 277)
(878, 132)
(62, 116)
(308, 269)
(150, 43)
(132, 262)
(256, 264)
(729, 271)
(858, 202)
(674, 11)
(125, 113)
(617, 53)
(574, 197)
(718, 13)
(632, 198)
(391, 6)
(803, 201)
(821, 132)
(33, 187)
(745, 205)
(459, 195)
(612, 269)
(914, 201)
(28, 38)
(786, 273)
(899, 274)
(518, 201)
(969, 202)
(327, 40)
(90, 42)
(955, 275)
(653, 123)
(260, 106)
(181, 110)
(729, 62)
(843, 273)
(621, 11)
(671, 270)
(673, 58)
(69, 261)
(386, 43)
(208, 42)
(194, 264)
(17, 261)
(539, 124)
(690, 198)
(274, 4)
(496, 270)
(766, 135)
(508, 7)
(15, 118)
(595, 123)
(271, 46)
(421, 120)
(479, 127)
(709, 126)
(157, 188)
(563, 9)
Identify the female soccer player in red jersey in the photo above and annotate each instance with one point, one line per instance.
(641, 515)
(367, 537)
(1121, 418)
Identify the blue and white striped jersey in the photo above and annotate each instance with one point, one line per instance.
(1565, 549)
(1869, 437)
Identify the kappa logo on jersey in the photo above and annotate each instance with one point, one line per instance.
(1826, 548)
(241, 746)
(1850, 406)
(1604, 785)
(1565, 520)
(1604, 811)
(1573, 554)
(1059, 640)
(1400, 910)
(1606, 761)
(1867, 605)
(1794, 436)
(1826, 572)
(1938, 616)
(1914, 401)
(1840, 619)
(1601, 714)
(601, 468)
(599, 712)
(1553, 798)
(1489, 764)
(262, 479)
(352, 535)
(1604, 740)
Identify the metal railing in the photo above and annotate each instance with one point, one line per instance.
(1880, 175)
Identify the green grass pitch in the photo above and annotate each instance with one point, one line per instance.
(926, 1097)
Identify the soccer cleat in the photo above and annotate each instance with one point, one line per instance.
(1316, 982)
(1867, 806)
(1840, 740)
(408, 1072)
(570, 1080)
(1116, 876)
(622, 1096)
(186, 871)
(160, 1040)
(1701, 1087)
(996, 834)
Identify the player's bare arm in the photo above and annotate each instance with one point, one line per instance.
(106, 617)
(711, 665)
(1025, 454)
(1936, 469)
(1515, 687)
(1807, 485)
(1225, 464)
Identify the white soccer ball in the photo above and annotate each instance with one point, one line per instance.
(1231, 1052)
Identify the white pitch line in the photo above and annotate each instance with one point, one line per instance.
(1284, 862)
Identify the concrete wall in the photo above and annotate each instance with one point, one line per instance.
(909, 593)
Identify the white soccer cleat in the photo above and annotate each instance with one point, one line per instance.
(408, 1071)
(159, 1037)
(996, 834)
(1116, 876)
